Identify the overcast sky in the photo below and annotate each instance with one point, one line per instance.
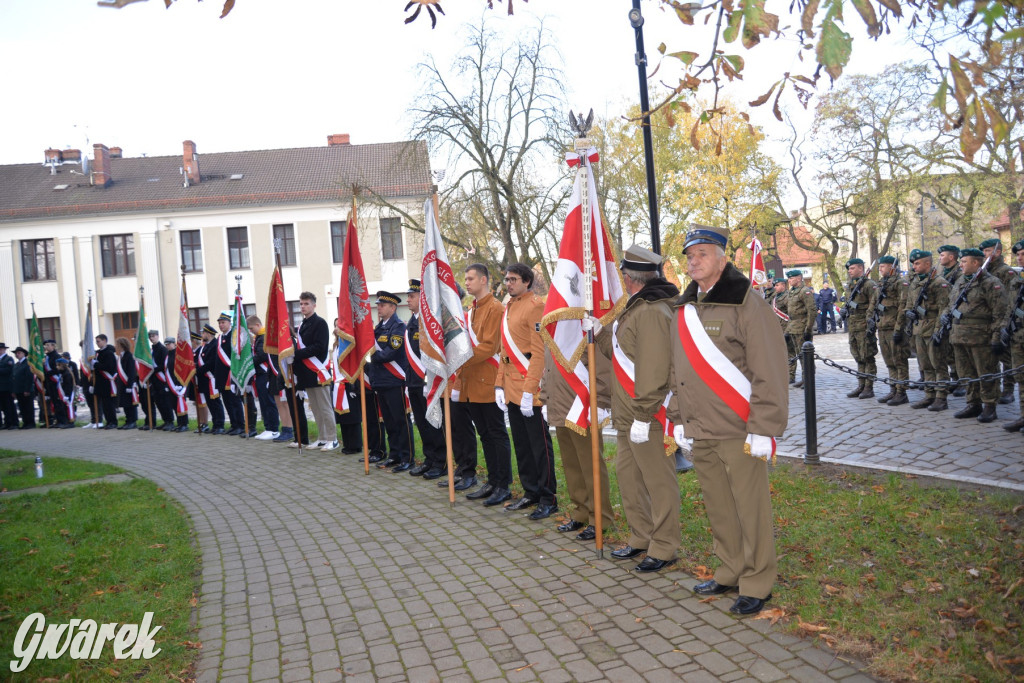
(286, 74)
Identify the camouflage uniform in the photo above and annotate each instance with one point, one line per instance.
(952, 276)
(892, 295)
(998, 268)
(930, 358)
(1016, 314)
(863, 345)
(778, 301)
(976, 325)
(802, 315)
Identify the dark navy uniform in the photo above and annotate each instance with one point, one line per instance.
(105, 368)
(232, 402)
(52, 376)
(387, 373)
(206, 366)
(432, 438)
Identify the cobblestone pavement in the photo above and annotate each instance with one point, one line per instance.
(314, 571)
(865, 433)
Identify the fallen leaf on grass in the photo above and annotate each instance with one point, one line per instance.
(33, 551)
(158, 545)
(1013, 587)
(192, 602)
(97, 592)
(113, 673)
(807, 629)
(65, 532)
(974, 572)
(832, 590)
(912, 515)
(192, 645)
(908, 588)
(965, 612)
(991, 658)
(878, 488)
(773, 615)
(934, 586)
(702, 572)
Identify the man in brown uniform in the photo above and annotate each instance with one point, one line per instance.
(861, 293)
(949, 260)
(1014, 325)
(892, 294)
(637, 343)
(729, 398)
(927, 297)
(516, 389)
(802, 315)
(993, 248)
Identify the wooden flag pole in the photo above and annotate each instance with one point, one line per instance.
(362, 412)
(245, 400)
(449, 457)
(195, 365)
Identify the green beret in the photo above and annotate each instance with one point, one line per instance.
(987, 244)
(950, 247)
(1018, 247)
(921, 253)
(794, 273)
(780, 280)
(976, 253)
(887, 259)
(855, 262)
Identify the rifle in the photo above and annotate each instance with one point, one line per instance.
(1016, 316)
(876, 313)
(844, 312)
(918, 311)
(946, 319)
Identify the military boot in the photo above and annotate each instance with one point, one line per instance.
(1007, 396)
(972, 410)
(1014, 426)
(888, 397)
(856, 392)
(925, 402)
(939, 404)
(988, 413)
(869, 390)
(899, 398)
(955, 388)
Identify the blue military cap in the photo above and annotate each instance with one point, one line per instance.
(388, 298)
(705, 234)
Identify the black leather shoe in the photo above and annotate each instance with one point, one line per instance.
(235, 431)
(390, 462)
(627, 552)
(521, 504)
(443, 484)
(401, 467)
(543, 512)
(218, 431)
(251, 434)
(712, 587)
(111, 426)
(465, 483)
(374, 458)
(182, 428)
(971, 410)
(571, 525)
(588, 534)
(144, 428)
(923, 403)
(131, 425)
(168, 427)
(419, 470)
(433, 473)
(498, 496)
(988, 414)
(483, 492)
(748, 605)
(653, 564)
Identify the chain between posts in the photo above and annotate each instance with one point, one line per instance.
(915, 384)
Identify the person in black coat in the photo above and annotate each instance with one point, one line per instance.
(312, 344)
(431, 437)
(8, 414)
(23, 386)
(127, 383)
(265, 382)
(155, 394)
(388, 370)
(222, 371)
(64, 406)
(206, 365)
(50, 372)
(105, 368)
(175, 391)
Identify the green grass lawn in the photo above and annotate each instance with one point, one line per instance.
(108, 552)
(20, 473)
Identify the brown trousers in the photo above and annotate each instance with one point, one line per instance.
(650, 493)
(578, 465)
(739, 506)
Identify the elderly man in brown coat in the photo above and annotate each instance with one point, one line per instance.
(729, 379)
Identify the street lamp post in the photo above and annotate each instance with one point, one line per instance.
(636, 20)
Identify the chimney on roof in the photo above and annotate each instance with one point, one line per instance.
(53, 156)
(115, 152)
(101, 166)
(337, 140)
(72, 155)
(190, 162)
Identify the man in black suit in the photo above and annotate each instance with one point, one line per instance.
(24, 387)
(8, 414)
(206, 366)
(105, 368)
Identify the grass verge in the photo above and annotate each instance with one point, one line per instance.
(107, 552)
(21, 473)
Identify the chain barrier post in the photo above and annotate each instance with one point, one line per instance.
(810, 404)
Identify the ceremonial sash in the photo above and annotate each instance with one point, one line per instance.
(414, 360)
(181, 406)
(514, 354)
(68, 405)
(779, 312)
(133, 389)
(323, 375)
(394, 367)
(110, 381)
(494, 360)
(213, 387)
(712, 367)
(625, 372)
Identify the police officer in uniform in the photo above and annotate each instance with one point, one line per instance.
(949, 260)
(993, 249)
(892, 294)
(862, 343)
(802, 313)
(976, 324)
(1015, 317)
(927, 296)
(432, 438)
(388, 371)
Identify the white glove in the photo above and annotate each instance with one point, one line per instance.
(679, 434)
(499, 398)
(602, 415)
(544, 412)
(639, 432)
(760, 446)
(455, 395)
(526, 405)
(590, 322)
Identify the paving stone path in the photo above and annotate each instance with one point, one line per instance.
(313, 571)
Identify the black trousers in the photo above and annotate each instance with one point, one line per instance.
(535, 455)
(7, 409)
(250, 409)
(131, 411)
(27, 409)
(432, 438)
(162, 402)
(268, 407)
(56, 414)
(108, 406)
(297, 409)
(233, 407)
(490, 423)
(216, 408)
(463, 440)
(396, 423)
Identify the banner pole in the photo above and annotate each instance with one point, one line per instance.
(362, 412)
(449, 455)
(245, 399)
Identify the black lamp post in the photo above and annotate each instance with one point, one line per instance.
(636, 20)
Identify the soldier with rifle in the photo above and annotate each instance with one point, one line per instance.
(861, 293)
(885, 319)
(993, 250)
(1012, 335)
(927, 296)
(973, 322)
(949, 261)
(802, 314)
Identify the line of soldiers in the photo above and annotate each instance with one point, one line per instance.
(963, 318)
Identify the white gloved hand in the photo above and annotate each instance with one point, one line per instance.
(544, 412)
(602, 415)
(526, 405)
(639, 432)
(760, 446)
(590, 322)
(455, 395)
(679, 434)
(499, 398)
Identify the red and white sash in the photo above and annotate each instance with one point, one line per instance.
(494, 360)
(712, 366)
(110, 380)
(69, 407)
(394, 367)
(625, 372)
(517, 358)
(133, 388)
(778, 312)
(181, 406)
(323, 374)
(414, 360)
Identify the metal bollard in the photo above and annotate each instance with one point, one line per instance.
(810, 403)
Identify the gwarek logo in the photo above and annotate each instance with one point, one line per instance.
(82, 639)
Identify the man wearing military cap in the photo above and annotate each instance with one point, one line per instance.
(233, 404)
(23, 386)
(8, 413)
(729, 398)
(1015, 321)
(976, 324)
(639, 345)
(861, 295)
(105, 368)
(154, 394)
(803, 313)
(993, 250)
(892, 294)
(431, 437)
(927, 296)
(64, 406)
(206, 369)
(388, 371)
(777, 299)
(177, 395)
(949, 260)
